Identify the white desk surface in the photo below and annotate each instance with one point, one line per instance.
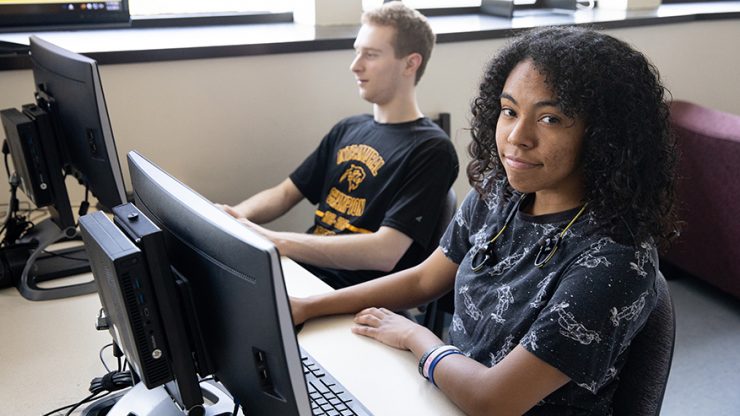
(49, 353)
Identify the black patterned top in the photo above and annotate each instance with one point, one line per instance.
(579, 312)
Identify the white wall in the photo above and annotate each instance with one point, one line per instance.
(230, 127)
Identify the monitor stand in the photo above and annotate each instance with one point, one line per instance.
(43, 266)
(140, 401)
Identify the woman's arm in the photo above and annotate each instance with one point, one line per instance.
(405, 289)
(511, 387)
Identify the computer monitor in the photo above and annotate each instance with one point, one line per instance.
(141, 297)
(17, 14)
(66, 132)
(239, 295)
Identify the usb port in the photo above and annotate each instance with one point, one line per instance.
(140, 296)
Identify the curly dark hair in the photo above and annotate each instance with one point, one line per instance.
(629, 152)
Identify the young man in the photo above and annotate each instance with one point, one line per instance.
(379, 181)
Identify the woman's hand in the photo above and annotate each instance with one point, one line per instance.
(387, 327)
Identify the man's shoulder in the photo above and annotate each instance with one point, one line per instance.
(356, 120)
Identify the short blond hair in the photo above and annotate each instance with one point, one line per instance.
(413, 33)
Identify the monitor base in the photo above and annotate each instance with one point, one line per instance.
(43, 265)
(140, 401)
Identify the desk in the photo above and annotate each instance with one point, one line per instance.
(49, 354)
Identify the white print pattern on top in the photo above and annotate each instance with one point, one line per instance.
(507, 263)
(459, 218)
(480, 239)
(572, 329)
(593, 386)
(457, 324)
(530, 340)
(470, 307)
(504, 351)
(589, 258)
(542, 286)
(643, 257)
(629, 312)
(492, 199)
(505, 298)
(547, 229)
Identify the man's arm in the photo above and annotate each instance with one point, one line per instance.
(380, 250)
(267, 205)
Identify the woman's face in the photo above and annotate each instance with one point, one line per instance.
(539, 146)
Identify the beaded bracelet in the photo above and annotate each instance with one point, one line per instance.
(436, 361)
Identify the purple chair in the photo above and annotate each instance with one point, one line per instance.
(708, 195)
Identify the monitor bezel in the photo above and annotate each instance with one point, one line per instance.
(181, 213)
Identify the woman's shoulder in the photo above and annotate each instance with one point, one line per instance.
(494, 193)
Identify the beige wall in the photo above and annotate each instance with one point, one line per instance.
(230, 127)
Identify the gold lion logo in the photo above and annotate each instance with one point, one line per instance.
(354, 176)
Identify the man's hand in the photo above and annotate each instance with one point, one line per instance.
(298, 310)
(229, 210)
(264, 232)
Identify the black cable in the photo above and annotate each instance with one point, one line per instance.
(85, 205)
(6, 152)
(113, 381)
(64, 256)
(74, 406)
(100, 354)
(58, 409)
(87, 399)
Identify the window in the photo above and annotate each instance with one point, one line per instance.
(434, 4)
(210, 7)
(426, 4)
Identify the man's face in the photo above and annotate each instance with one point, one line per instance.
(377, 70)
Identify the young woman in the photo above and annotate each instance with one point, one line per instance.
(553, 254)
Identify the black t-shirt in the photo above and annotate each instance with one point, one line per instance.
(365, 175)
(578, 313)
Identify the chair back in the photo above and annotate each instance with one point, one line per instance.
(434, 311)
(642, 381)
(445, 216)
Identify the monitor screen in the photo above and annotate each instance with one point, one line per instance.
(239, 296)
(69, 84)
(39, 13)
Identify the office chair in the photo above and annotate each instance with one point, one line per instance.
(434, 312)
(642, 381)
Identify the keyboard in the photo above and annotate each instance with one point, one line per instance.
(326, 394)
